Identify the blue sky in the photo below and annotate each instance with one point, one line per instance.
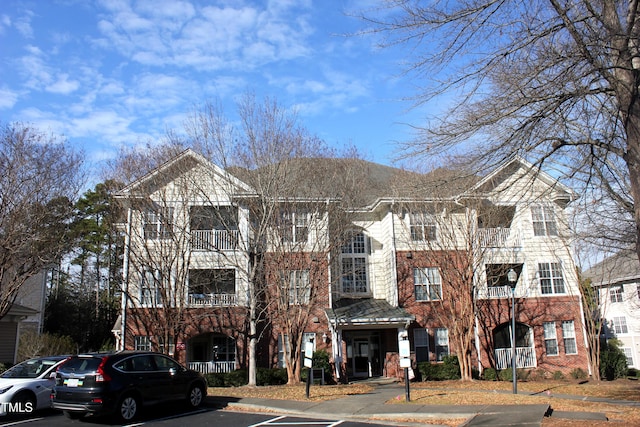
(106, 73)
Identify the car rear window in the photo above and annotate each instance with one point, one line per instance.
(81, 365)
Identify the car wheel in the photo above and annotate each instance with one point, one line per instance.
(24, 403)
(127, 408)
(196, 396)
(73, 415)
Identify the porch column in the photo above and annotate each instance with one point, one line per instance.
(336, 346)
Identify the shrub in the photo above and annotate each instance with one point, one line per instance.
(613, 362)
(578, 374)
(490, 374)
(4, 367)
(505, 375)
(236, 378)
(215, 379)
(558, 375)
(449, 369)
(266, 376)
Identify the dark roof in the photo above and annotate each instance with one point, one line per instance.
(366, 311)
(358, 182)
(616, 269)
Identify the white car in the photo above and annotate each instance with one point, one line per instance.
(26, 387)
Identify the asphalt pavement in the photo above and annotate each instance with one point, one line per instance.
(373, 407)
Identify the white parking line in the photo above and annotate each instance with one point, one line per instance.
(276, 422)
(16, 423)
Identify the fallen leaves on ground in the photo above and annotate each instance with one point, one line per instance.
(478, 393)
(292, 392)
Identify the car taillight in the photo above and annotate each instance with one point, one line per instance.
(101, 375)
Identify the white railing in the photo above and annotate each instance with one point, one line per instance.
(498, 238)
(212, 367)
(525, 358)
(212, 300)
(499, 292)
(214, 240)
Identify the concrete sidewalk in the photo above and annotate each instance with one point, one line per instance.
(371, 406)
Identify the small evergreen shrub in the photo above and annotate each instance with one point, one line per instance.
(578, 374)
(506, 375)
(613, 362)
(215, 379)
(236, 378)
(558, 375)
(266, 376)
(449, 369)
(490, 374)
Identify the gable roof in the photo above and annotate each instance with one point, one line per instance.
(511, 167)
(623, 267)
(170, 170)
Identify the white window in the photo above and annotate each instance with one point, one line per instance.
(550, 277)
(354, 265)
(158, 223)
(294, 226)
(169, 349)
(569, 337)
(142, 343)
(629, 355)
(544, 221)
(615, 294)
(427, 284)
(422, 226)
(307, 337)
(421, 344)
(620, 325)
(298, 286)
(442, 343)
(550, 339)
(151, 288)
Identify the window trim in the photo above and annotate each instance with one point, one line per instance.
(422, 280)
(422, 227)
(548, 338)
(569, 336)
(556, 283)
(543, 220)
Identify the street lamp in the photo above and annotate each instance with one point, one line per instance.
(512, 278)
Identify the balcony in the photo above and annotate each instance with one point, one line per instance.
(214, 240)
(212, 300)
(525, 358)
(498, 238)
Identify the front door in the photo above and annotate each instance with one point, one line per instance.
(361, 361)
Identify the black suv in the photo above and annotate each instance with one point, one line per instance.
(121, 383)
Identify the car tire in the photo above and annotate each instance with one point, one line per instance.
(128, 408)
(73, 415)
(26, 403)
(195, 397)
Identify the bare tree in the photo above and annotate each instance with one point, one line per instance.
(552, 80)
(296, 184)
(40, 176)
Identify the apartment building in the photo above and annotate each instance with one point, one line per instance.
(617, 280)
(417, 257)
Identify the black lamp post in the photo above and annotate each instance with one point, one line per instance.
(512, 277)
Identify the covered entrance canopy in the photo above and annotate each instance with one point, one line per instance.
(366, 326)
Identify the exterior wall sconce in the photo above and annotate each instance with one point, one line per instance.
(325, 337)
(409, 255)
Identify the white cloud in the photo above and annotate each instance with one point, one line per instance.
(63, 85)
(8, 98)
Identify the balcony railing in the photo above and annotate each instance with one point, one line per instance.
(525, 357)
(214, 240)
(212, 367)
(500, 237)
(212, 300)
(499, 292)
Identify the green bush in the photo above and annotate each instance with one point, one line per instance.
(449, 369)
(613, 362)
(4, 367)
(490, 374)
(236, 378)
(215, 379)
(558, 375)
(266, 376)
(578, 374)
